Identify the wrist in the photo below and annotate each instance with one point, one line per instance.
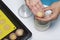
(59, 6)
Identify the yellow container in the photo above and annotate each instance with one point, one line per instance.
(6, 26)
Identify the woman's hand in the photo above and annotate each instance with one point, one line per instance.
(34, 5)
(55, 8)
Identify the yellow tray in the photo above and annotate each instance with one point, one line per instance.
(6, 26)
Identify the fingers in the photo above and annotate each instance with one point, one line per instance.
(55, 14)
(48, 8)
(34, 5)
(34, 10)
(27, 2)
(37, 9)
(39, 6)
(34, 2)
(50, 18)
(42, 19)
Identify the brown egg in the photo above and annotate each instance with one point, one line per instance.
(12, 36)
(40, 14)
(19, 32)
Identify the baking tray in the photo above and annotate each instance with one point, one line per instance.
(27, 34)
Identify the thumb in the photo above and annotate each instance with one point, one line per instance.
(47, 8)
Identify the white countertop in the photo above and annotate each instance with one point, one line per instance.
(51, 34)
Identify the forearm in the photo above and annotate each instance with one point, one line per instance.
(58, 6)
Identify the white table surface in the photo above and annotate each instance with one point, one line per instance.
(51, 34)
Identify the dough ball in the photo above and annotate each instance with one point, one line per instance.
(6, 39)
(12, 36)
(40, 14)
(19, 32)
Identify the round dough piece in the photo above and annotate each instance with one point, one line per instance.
(19, 32)
(12, 36)
(40, 14)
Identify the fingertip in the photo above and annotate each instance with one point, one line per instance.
(47, 8)
(27, 2)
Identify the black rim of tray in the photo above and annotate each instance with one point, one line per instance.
(11, 16)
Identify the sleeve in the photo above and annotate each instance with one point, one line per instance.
(48, 2)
